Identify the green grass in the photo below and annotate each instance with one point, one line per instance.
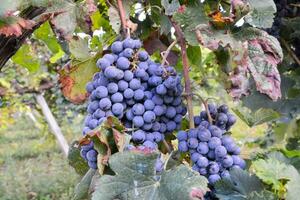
(31, 163)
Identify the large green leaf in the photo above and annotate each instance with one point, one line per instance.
(194, 55)
(261, 14)
(82, 188)
(45, 34)
(192, 16)
(275, 173)
(261, 116)
(26, 58)
(240, 186)
(80, 49)
(136, 179)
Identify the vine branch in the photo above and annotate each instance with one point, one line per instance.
(290, 51)
(204, 102)
(187, 81)
(123, 17)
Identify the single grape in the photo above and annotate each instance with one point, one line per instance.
(203, 134)
(158, 110)
(135, 84)
(89, 87)
(178, 119)
(140, 73)
(117, 97)
(212, 179)
(202, 162)
(91, 155)
(129, 114)
(171, 112)
(105, 104)
(157, 136)
(158, 100)
(128, 93)
(149, 116)
(122, 85)
(203, 171)
(138, 109)
(110, 57)
(213, 168)
(215, 131)
(154, 81)
(143, 55)
(171, 126)
(112, 88)
(150, 137)
(83, 154)
(147, 126)
(223, 109)
(117, 109)
(192, 143)
(220, 151)
(225, 174)
(103, 63)
(92, 164)
(99, 114)
(138, 121)
(202, 148)
(149, 105)
(182, 146)
(139, 136)
(117, 47)
(195, 156)
(227, 161)
(101, 92)
(231, 119)
(182, 135)
(88, 146)
(127, 53)
(161, 89)
(214, 142)
(128, 75)
(129, 43)
(123, 63)
(197, 120)
(138, 94)
(150, 145)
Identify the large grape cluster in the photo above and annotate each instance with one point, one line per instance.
(144, 95)
(212, 151)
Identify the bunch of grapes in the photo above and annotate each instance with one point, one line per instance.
(144, 95)
(212, 151)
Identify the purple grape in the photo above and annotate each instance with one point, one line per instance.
(122, 85)
(221, 119)
(140, 73)
(212, 179)
(182, 136)
(127, 53)
(143, 65)
(128, 75)
(149, 116)
(137, 44)
(86, 130)
(177, 101)
(213, 168)
(101, 92)
(150, 137)
(205, 124)
(154, 81)
(99, 114)
(170, 82)
(138, 109)
(147, 126)
(143, 55)
(103, 63)
(225, 174)
(161, 90)
(238, 161)
(171, 126)
(92, 164)
(129, 43)
(88, 146)
(163, 128)
(171, 112)
(227, 161)
(150, 145)
(197, 120)
(215, 131)
(135, 84)
(138, 121)
(112, 88)
(192, 143)
(149, 105)
(202, 162)
(158, 100)
(223, 109)
(202, 148)
(193, 133)
(89, 87)
(220, 151)
(129, 114)
(105, 104)
(91, 155)
(110, 58)
(117, 47)
(211, 154)
(139, 136)
(226, 140)
(117, 109)
(231, 119)
(83, 154)
(203, 171)
(128, 93)
(231, 147)
(117, 97)
(158, 110)
(195, 168)
(178, 119)
(157, 136)
(182, 146)
(213, 109)
(123, 63)
(203, 134)
(195, 156)
(138, 94)
(214, 142)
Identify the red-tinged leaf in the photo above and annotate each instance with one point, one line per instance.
(74, 77)
(16, 27)
(91, 6)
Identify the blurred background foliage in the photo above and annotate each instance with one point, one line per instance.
(31, 164)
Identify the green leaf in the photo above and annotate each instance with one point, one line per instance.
(261, 116)
(75, 160)
(194, 55)
(165, 25)
(79, 48)
(261, 14)
(45, 34)
(75, 76)
(240, 186)
(136, 179)
(274, 172)
(170, 6)
(26, 58)
(82, 188)
(114, 19)
(189, 19)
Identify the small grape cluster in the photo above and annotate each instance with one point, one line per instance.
(212, 151)
(144, 95)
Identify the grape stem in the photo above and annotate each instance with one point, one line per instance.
(290, 51)
(166, 53)
(167, 146)
(204, 102)
(189, 98)
(123, 17)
